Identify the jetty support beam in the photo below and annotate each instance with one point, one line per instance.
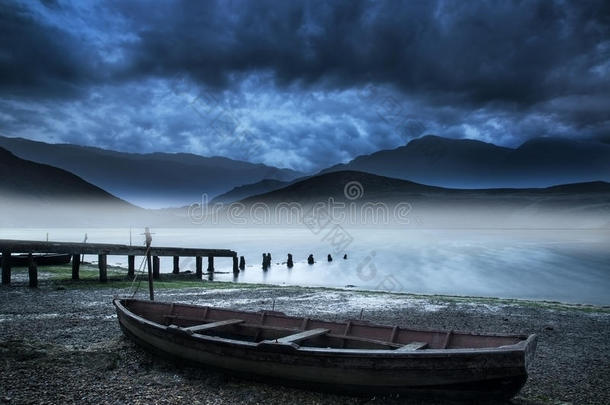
(6, 267)
(75, 266)
(156, 267)
(32, 272)
(176, 265)
(131, 267)
(199, 266)
(235, 265)
(102, 263)
(210, 264)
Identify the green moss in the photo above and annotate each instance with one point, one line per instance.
(61, 277)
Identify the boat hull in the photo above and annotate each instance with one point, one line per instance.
(447, 373)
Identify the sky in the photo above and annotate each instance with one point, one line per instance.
(301, 84)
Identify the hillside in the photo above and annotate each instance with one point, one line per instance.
(149, 180)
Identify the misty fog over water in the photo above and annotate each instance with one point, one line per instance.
(560, 265)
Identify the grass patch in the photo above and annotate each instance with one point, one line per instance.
(61, 277)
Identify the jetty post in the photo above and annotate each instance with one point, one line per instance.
(6, 267)
(32, 272)
(235, 265)
(210, 264)
(156, 268)
(131, 267)
(102, 264)
(176, 269)
(199, 266)
(75, 267)
(151, 291)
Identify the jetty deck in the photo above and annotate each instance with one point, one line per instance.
(8, 247)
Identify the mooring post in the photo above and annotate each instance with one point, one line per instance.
(6, 267)
(242, 263)
(199, 266)
(156, 267)
(32, 271)
(176, 265)
(148, 242)
(210, 264)
(235, 265)
(131, 267)
(102, 261)
(75, 266)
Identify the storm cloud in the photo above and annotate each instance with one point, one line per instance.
(305, 84)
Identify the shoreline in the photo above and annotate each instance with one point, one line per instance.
(67, 328)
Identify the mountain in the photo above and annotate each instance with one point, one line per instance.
(150, 180)
(361, 198)
(465, 163)
(34, 194)
(245, 191)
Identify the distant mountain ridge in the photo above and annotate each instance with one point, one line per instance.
(466, 163)
(150, 180)
(570, 205)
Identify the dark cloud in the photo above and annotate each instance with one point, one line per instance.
(310, 82)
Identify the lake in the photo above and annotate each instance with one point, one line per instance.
(560, 265)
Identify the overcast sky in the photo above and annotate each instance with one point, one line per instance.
(301, 84)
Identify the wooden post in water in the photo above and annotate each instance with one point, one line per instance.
(199, 266)
(102, 263)
(151, 291)
(242, 263)
(156, 269)
(32, 272)
(6, 268)
(235, 265)
(176, 265)
(75, 266)
(131, 267)
(210, 264)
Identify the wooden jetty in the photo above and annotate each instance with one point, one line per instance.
(8, 247)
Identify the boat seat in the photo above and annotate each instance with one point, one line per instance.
(207, 326)
(308, 334)
(412, 346)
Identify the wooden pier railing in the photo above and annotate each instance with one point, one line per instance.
(9, 247)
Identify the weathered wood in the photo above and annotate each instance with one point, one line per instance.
(298, 337)
(156, 273)
(198, 266)
(242, 263)
(109, 249)
(75, 266)
(447, 339)
(477, 366)
(151, 290)
(210, 264)
(32, 272)
(6, 267)
(102, 263)
(131, 267)
(207, 326)
(176, 269)
(412, 346)
(235, 265)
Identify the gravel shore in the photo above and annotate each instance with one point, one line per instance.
(64, 345)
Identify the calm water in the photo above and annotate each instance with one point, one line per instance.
(569, 266)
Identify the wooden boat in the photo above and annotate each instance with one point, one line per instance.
(51, 259)
(351, 357)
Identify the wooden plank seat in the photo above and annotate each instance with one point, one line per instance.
(298, 337)
(412, 346)
(208, 326)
